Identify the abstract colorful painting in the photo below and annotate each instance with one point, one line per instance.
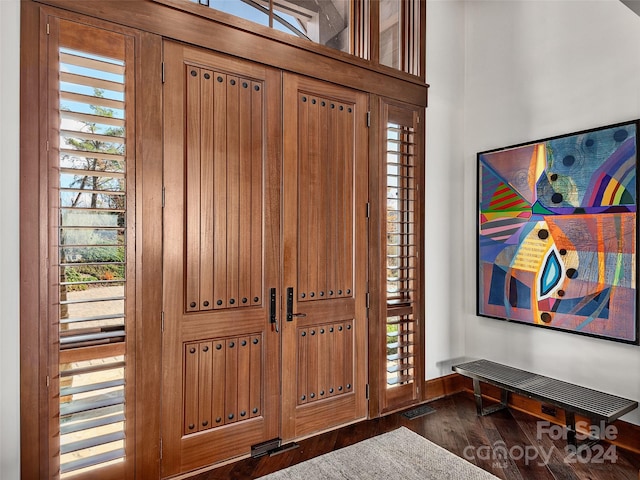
(557, 233)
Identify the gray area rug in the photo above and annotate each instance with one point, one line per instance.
(400, 454)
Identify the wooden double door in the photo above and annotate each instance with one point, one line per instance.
(265, 254)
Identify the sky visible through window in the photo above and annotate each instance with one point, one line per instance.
(256, 13)
(85, 107)
(78, 70)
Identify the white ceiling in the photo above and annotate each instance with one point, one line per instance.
(633, 5)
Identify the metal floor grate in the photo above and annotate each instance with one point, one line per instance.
(418, 412)
(580, 399)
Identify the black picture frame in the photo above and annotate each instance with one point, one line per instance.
(557, 233)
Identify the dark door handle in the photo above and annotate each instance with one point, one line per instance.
(290, 313)
(272, 310)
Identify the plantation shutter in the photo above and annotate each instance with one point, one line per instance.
(400, 191)
(94, 255)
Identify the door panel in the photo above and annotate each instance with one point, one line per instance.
(223, 191)
(325, 224)
(221, 256)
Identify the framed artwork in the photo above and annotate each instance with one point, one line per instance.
(558, 233)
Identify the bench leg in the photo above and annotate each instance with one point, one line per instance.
(477, 393)
(570, 420)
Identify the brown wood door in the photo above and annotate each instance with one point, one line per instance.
(324, 315)
(221, 354)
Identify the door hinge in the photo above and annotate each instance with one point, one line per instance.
(367, 391)
(368, 300)
(160, 449)
(368, 119)
(48, 380)
(47, 29)
(163, 197)
(368, 210)
(162, 321)
(162, 72)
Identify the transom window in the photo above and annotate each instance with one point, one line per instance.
(326, 22)
(385, 32)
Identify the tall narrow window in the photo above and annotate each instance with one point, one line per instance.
(400, 194)
(94, 249)
(399, 35)
(401, 253)
(390, 33)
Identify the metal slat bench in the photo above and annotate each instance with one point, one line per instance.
(573, 399)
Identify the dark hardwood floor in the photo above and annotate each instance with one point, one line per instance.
(510, 444)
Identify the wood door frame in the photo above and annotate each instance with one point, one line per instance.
(34, 438)
(149, 262)
(153, 21)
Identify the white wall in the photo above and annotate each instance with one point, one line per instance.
(444, 184)
(536, 69)
(9, 240)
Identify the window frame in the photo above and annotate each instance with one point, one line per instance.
(388, 400)
(39, 421)
(364, 35)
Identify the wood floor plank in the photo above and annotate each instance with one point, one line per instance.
(480, 433)
(455, 426)
(447, 430)
(526, 457)
(553, 451)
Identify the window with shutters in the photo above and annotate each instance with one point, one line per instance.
(400, 253)
(94, 271)
(400, 203)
